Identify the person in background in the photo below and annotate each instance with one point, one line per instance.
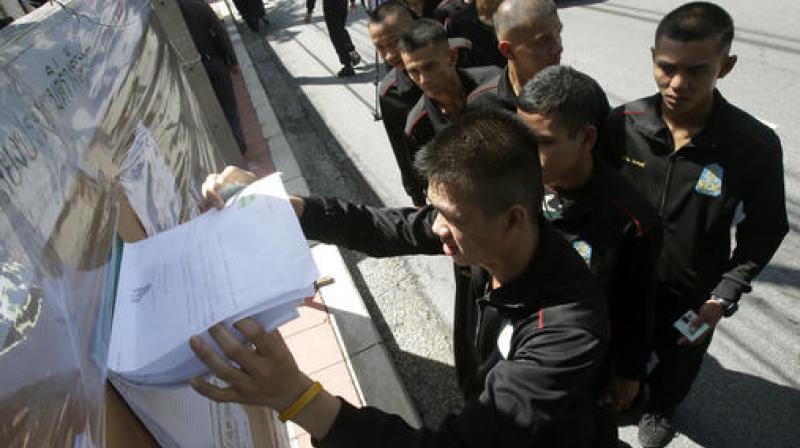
(604, 219)
(696, 158)
(218, 57)
(252, 11)
(529, 36)
(473, 21)
(541, 325)
(335, 13)
(398, 93)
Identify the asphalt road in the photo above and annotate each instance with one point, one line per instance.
(748, 394)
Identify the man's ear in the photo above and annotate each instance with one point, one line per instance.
(453, 59)
(653, 54)
(505, 49)
(588, 137)
(727, 65)
(517, 218)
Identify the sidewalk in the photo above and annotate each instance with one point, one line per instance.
(315, 338)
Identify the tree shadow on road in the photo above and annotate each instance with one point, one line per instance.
(733, 409)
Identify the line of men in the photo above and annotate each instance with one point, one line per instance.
(579, 234)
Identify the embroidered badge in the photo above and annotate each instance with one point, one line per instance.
(504, 338)
(710, 181)
(584, 249)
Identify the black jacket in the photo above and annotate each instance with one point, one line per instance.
(207, 32)
(398, 95)
(696, 191)
(464, 22)
(535, 347)
(497, 93)
(618, 235)
(426, 119)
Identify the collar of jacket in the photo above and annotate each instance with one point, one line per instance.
(520, 296)
(404, 82)
(579, 202)
(438, 119)
(652, 126)
(504, 89)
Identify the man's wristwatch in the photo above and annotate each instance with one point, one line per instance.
(728, 307)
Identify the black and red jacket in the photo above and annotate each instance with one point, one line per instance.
(532, 348)
(735, 161)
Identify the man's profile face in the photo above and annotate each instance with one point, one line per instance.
(536, 46)
(686, 72)
(560, 151)
(467, 234)
(432, 68)
(386, 37)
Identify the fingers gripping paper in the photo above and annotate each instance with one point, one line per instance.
(249, 259)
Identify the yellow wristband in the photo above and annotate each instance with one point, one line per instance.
(300, 404)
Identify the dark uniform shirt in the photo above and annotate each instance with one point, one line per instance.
(617, 233)
(464, 22)
(535, 346)
(398, 95)
(696, 191)
(447, 8)
(426, 119)
(497, 93)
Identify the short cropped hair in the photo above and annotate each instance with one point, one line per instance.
(697, 21)
(490, 156)
(576, 98)
(423, 32)
(517, 15)
(390, 8)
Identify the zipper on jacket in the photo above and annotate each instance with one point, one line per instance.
(667, 182)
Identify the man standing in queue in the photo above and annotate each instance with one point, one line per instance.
(541, 320)
(431, 64)
(473, 21)
(696, 158)
(398, 93)
(529, 36)
(609, 224)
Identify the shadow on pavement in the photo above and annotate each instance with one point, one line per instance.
(431, 385)
(730, 409)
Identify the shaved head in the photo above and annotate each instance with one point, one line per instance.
(516, 15)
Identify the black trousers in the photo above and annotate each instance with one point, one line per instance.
(250, 8)
(335, 12)
(220, 77)
(678, 365)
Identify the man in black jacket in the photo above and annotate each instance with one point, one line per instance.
(540, 319)
(431, 64)
(473, 21)
(398, 93)
(608, 223)
(696, 158)
(529, 36)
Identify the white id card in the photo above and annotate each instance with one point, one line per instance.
(684, 326)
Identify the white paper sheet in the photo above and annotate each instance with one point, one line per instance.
(243, 260)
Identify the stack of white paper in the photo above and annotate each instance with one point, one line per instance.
(249, 259)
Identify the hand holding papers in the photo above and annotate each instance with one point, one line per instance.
(249, 259)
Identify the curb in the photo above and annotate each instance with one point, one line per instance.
(367, 357)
